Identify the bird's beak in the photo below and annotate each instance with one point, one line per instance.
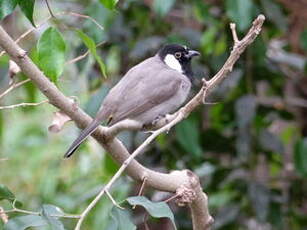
(192, 53)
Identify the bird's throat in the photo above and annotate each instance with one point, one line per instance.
(173, 63)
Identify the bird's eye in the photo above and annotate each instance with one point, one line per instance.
(177, 55)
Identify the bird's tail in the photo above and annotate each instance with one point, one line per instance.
(83, 135)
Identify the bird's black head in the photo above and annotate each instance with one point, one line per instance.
(178, 57)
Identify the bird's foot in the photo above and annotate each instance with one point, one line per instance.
(157, 119)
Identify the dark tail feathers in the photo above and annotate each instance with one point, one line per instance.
(83, 135)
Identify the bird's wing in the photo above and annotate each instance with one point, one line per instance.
(148, 89)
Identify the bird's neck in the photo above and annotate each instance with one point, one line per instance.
(187, 71)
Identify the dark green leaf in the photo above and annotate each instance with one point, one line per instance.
(208, 40)
(303, 39)
(27, 7)
(24, 222)
(1, 128)
(109, 166)
(240, 12)
(221, 198)
(7, 7)
(90, 44)
(51, 49)
(120, 220)
(162, 7)
(110, 4)
(155, 209)
(300, 157)
(47, 212)
(5, 193)
(187, 134)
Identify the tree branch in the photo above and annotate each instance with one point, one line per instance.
(105, 136)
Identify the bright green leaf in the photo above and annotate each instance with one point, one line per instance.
(48, 211)
(7, 7)
(24, 222)
(5, 193)
(110, 4)
(51, 49)
(27, 7)
(187, 134)
(300, 157)
(120, 220)
(221, 198)
(90, 44)
(155, 209)
(162, 7)
(208, 40)
(241, 12)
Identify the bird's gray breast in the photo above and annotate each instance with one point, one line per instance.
(169, 105)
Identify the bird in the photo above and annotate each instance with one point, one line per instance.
(148, 91)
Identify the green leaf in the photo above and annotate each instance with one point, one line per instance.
(162, 7)
(90, 44)
(155, 209)
(110, 4)
(303, 39)
(300, 157)
(208, 40)
(187, 134)
(24, 222)
(7, 7)
(5, 193)
(27, 7)
(51, 49)
(47, 212)
(120, 220)
(241, 12)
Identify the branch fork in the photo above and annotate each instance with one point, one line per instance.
(184, 181)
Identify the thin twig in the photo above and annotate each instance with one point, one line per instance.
(234, 33)
(76, 59)
(23, 104)
(172, 198)
(87, 17)
(38, 213)
(3, 216)
(14, 86)
(165, 182)
(186, 110)
(25, 34)
(113, 201)
(141, 189)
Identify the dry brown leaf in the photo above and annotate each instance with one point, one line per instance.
(59, 119)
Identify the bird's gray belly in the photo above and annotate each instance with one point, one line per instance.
(166, 107)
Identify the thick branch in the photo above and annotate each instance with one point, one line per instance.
(160, 181)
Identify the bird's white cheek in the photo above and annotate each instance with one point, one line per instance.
(173, 63)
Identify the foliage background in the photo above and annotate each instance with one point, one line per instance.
(249, 148)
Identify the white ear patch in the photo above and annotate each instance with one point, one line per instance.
(173, 63)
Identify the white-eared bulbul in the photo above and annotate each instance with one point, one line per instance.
(153, 88)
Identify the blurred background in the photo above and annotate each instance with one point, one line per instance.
(249, 147)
